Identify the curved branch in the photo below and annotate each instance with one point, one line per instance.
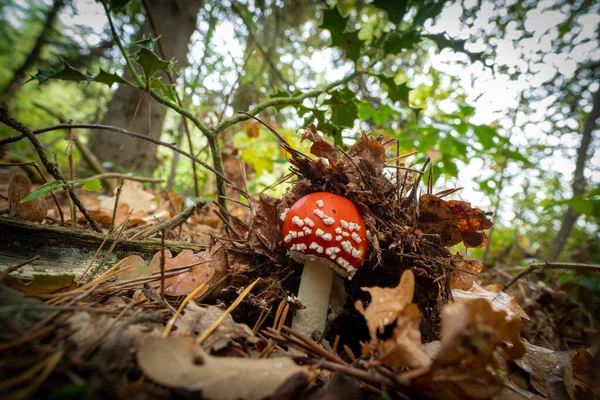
(287, 101)
(131, 134)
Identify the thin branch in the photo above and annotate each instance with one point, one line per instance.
(50, 167)
(173, 222)
(286, 101)
(542, 266)
(124, 132)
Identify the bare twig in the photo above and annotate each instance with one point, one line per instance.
(173, 222)
(50, 167)
(13, 268)
(594, 268)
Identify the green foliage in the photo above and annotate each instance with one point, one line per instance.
(68, 73)
(92, 185)
(151, 63)
(395, 9)
(340, 37)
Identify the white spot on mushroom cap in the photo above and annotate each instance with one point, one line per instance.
(338, 238)
(320, 203)
(319, 232)
(307, 231)
(309, 222)
(287, 238)
(284, 214)
(347, 246)
(297, 221)
(319, 213)
(345, 234)
(327, 237)
(294, 234)
(300, 234)
(344, 223)
(328, 221)
(338, 230)
(356, 253)
(356, 238)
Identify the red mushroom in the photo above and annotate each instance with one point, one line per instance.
(326, 233)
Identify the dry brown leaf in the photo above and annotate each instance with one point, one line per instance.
(178, 363)
(134, 194)
(464, 272)
(264, 236)
(583, 368)
(387, 303)
(499, 300)
(202, 270)
(455, 221)
(34, 210)
(404, 349)
(196, 320)
(464, 366)
(252, 129)
(138, 269)
(320, 147)
(371, 154)
(550, 372)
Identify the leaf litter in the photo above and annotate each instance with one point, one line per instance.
(418, 315)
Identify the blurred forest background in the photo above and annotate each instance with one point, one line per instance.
(502, 95)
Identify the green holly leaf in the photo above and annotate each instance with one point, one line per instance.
(443, 41)
(395, 9)
(486, 135)
(379, 115)
(167, 90)
(109, 78)
(152, 63)
(430, 9)
(146, 43)
(336, 24)
(396, 92)
(396, 42)
(68, 73)
(117, 4)
(343, 108)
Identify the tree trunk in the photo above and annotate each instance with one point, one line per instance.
(578, 181)
(20, 74)
(175, 22)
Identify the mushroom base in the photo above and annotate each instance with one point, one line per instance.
(315, 288)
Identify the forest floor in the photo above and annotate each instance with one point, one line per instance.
(190, 300)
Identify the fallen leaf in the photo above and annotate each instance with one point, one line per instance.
(252, 129)
(264, 236)
(133, 194)
(137, 268)
(42, 283)
(178, 363)
(471, 332)
(201, 270)
(33, 210)
(583, 366)
(550, 372)
(320, 147)
(454, 221)
(499, 300)
(464, 272)
(387, 303)
(404, 349)
(371, 154)
(196, 320)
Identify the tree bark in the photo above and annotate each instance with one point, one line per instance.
(20, 74)
(175, 22)
(578, 181)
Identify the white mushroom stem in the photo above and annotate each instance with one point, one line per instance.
(315, 288)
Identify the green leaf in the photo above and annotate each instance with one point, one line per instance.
(443, 41)
(395, 9)
(167, 90)
(146, 43)
(336, 25)
(151, 63)
(109, 78)
(379, 115)
(485, 134)
(280, 94)
(42, 190)
(430, 9)
(68, 73)
(343, 107)
(91, 185)
(117, 4)
(396, 92)
(396, 42)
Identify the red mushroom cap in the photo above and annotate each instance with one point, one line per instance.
(326, 226)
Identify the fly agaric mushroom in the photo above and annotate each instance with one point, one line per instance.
(326, 233)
